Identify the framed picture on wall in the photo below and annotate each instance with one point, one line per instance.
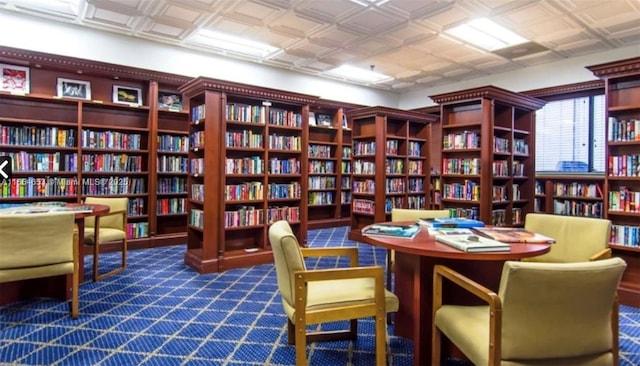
(15, 79)
(69, 88)
(170, 100)
(127, 95)
(324, 119)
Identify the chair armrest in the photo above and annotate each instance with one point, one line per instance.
(351, 252)
(603, 254)
(377, 303)
(471, 286)
(494, 301)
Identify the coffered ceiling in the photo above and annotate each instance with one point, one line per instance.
(400, 38)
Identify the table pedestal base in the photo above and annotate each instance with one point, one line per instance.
(413, 285)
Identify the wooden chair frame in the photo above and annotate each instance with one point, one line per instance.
(297, 330)
(96, 247)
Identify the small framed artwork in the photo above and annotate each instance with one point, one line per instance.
(15, 79)
(69, 88)
(169, 100)
(324, 119)
(127, 95)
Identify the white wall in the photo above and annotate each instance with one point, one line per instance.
(25, 32)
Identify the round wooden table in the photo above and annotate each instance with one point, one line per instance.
(413, 280)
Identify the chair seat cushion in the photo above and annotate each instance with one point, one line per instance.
(329, 294)
(106, 235)
(469, 326)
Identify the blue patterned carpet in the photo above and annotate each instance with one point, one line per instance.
(160, 312)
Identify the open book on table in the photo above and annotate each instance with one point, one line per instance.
(392, 230)
(513, 235)
(473, 243)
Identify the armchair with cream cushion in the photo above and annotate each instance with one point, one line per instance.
(543, 314)
(40, 245)
(107, 228)
(577, 238)
(327, 295)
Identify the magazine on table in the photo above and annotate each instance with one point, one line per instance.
(450, 231)
(473, 243)
(450, 222)
(392, 230)
(513, 235)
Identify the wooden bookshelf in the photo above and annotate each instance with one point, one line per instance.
(329, 168)
(570, 195)
(488, 153)
(622, 180)
(90, 146)
(390, 164)
(252, 171)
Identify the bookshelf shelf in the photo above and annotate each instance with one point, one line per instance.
(622, 166)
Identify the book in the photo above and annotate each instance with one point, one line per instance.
(473, 243)
(513, 235)
(392, 230)
(450, 222)
(451, 231)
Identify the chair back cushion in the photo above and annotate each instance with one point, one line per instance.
(558, 310)
(32, 240)
(577, 238)
(108, 221)
(287, 257)
(403, 214)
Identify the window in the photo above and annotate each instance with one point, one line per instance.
(570, 135)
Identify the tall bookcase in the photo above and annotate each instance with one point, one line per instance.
(248, 169)
(329, 168)
(622, 181)
(488, 152)
(390, 163)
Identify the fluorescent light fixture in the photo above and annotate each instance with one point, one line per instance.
(366, 3)
(55, 6)
(353, 73)
(226, 42)
(486, 34)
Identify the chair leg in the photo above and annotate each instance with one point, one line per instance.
(436, 340)
(96, 275)
(301, 343)
(291, 332)
(381, 340)
(74, 293)
(390, 269)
